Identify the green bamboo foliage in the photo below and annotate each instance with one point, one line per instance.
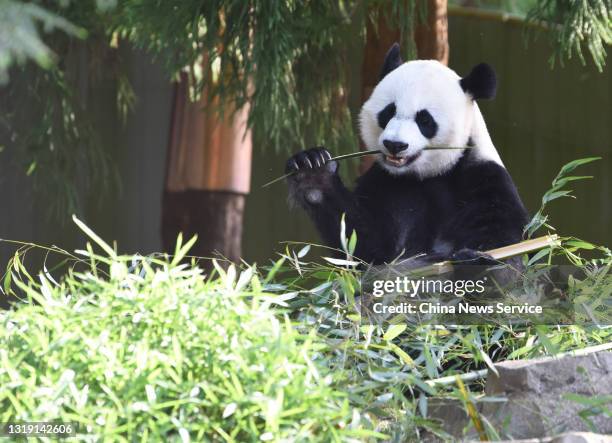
(576, 25)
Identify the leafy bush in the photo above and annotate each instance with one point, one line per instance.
(151, 348)
(134, 347)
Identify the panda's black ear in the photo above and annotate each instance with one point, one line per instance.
(393, 60)
(480, 82)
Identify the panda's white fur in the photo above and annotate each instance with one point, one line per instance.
(426, 84)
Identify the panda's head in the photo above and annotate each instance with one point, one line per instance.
(422, 104)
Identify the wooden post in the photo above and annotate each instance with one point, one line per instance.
(431, 40)
(379, 38)
(207, 178)
(431, 37)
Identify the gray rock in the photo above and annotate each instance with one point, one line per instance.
(536, 405)
(535, 390)
(580, 437)
(569, 437)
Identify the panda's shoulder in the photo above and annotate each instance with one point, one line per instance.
(472, 168)
(484, 177)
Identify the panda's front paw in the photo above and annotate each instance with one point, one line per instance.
(314, 160)
(472, 257)
(313, 173)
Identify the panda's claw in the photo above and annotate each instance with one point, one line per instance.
(322, 155)
(291, 166)
(316, 159)
(314, 156)
(302, 159)
(322, 158)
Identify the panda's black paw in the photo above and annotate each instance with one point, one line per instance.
(471, 257)
(314, 174)
(312, 160)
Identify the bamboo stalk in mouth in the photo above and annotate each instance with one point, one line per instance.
(359, 154)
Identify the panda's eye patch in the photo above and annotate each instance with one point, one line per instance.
(385, 115)
(427, 124)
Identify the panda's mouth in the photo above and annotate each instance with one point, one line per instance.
(398, 162)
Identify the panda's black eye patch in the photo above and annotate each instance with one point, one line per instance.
(385, 115)
(427, 124)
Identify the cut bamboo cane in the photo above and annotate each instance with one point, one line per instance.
(524, 247)
(502, 253)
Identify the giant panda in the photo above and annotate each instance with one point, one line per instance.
(448, 204)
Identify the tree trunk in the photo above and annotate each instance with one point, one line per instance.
(215, 216)
(207, 177)
(379, 38)
(431, 37)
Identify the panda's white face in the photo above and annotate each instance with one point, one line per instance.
(420, 104)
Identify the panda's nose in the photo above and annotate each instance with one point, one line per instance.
(394, 147)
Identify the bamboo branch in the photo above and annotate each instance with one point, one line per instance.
(502, 253)
(524, 247)
(359, 154)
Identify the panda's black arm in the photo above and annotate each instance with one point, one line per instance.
(320, 192)
(327, 210)
(491, 213)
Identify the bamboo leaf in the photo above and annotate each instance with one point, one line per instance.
(343, 233)
(538, 256)
(548, 197)
(352, 243)
(394, 331)
(302, 252)
(471, 410)
(402, 355)
(488, 361)
(580, 244)
(93, 236)
(277, 265)
(340, 262)
(569, 167)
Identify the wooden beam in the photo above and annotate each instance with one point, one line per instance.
(431, 37)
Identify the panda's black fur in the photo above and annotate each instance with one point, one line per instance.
(471, 207)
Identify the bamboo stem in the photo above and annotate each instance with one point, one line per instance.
(502, 253)
(360, 154)
(340, 157)
(524, 247)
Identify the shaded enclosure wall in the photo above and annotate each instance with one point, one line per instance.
(131, 216)
(540, 120)
(543, 118)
